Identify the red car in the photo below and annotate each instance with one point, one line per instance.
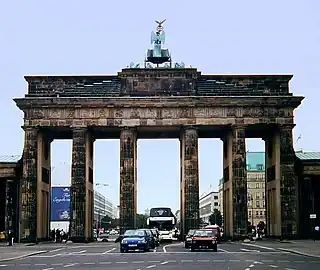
(204, 239)
(216, 230)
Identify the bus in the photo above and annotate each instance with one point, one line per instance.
(163, 219)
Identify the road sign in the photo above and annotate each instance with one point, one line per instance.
(313, 216)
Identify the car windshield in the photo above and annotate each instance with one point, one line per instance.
(191, 232)
(203, 233)
(134, 233)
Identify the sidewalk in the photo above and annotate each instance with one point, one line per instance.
(302, 247)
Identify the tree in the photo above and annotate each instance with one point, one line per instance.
(215, 218)
(141, 221)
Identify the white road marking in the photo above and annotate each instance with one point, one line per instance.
(243, 249)
(108, 251)
(57, 264)
(151, 266)
(69, 265)
(55, 250)
(153, 261)
(170, 245)
(89, 263)
(163, 263)
(186, 261)
(138, 262)
(121, 262)
(48, 268)
(273, 266)
(203, 260)
(257, 246)
(104, 262)
(289, 269)
(79, 252)
(3, 265)
(223, 250)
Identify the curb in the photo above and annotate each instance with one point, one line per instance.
(298, 252)
(24, 256)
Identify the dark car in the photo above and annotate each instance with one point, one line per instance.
(151, 238)
(135, 240)
(188, 239)
(156, 235)
(204, 239)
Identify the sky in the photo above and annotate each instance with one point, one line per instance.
(102, 37)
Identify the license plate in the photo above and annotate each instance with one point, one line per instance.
(132, 245)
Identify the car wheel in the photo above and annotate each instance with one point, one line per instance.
(186, 245)
(121, 250)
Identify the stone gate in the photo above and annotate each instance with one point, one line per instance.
(159, 103)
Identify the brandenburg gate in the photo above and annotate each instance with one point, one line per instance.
(159, 102)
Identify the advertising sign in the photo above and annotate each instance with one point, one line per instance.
(60, 204)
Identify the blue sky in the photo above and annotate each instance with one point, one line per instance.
(102, 37)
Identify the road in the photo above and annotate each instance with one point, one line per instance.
(233, 256)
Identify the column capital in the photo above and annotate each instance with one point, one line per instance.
(286, 127)
(78, 128)
(239, 126)
(31, 128)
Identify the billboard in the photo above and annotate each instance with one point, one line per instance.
(60, 204)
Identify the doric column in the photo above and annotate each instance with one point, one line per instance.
(281, 183)
(28, 202)
(289, 184)
(81, 186)
(235, 183)
(128, 179)
(190, 178)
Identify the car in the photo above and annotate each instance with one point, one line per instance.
(216, 230)
(204, 239)
(151, 238)
(103, 237)
(135, 240)
(188, 239)
(165, 236)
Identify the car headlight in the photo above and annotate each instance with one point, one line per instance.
(124, 242)
(142, 241)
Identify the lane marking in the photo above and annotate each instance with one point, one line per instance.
(170, 245)
(108, 251)
(138, 262)
(48, 268)
(55, 250)
(151, 266)
(163, 263)
(69, 265)
(223, 250)
(273, 266)
(257, 246)
(104, 262)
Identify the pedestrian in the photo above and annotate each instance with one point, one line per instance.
(10, 238)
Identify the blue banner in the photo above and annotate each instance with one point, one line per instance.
(60, 204)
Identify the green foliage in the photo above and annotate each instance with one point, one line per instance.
(215, 218)
(141, 221)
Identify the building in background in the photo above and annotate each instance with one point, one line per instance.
(207, 203)
(61, 206)
(256, 187)
(220, 195)
(102, 207)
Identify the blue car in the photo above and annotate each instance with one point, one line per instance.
(134, 240)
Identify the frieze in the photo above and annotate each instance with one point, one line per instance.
(155, 113)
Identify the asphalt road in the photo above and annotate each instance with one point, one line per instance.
(233, 256)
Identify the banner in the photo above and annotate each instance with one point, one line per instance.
(60, 204)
